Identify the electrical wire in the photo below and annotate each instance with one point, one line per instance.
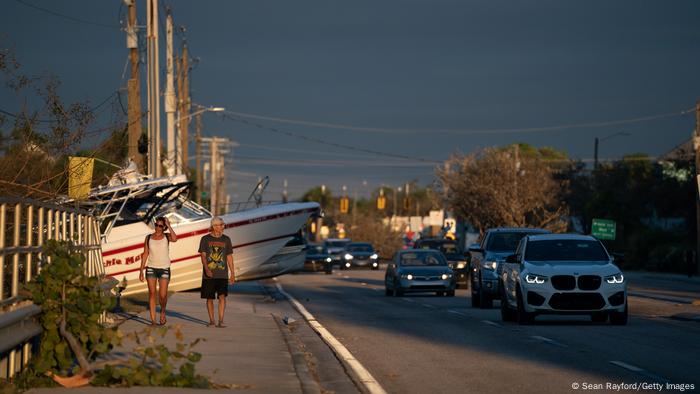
(68, 17)
(226, 115)
(567, 126)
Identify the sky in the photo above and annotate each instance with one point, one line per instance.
(417, 80)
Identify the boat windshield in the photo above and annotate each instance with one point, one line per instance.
(177, 210)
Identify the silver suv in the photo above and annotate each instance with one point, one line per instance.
(487, 256)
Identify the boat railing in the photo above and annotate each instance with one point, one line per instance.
(25, 225)
(244, 205)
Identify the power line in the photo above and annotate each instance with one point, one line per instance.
(567, 126)
(93, 109)
(227, 115)
(71, 18)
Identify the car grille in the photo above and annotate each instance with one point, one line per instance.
(564, 282)
(427, 278)
(589, 282)
(577, 301)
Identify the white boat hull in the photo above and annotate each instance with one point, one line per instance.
(257, 235)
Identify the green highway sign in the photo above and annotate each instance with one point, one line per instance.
(603, 229)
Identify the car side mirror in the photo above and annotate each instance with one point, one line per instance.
(512, 259)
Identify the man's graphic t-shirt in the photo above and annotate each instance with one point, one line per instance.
(216, 249)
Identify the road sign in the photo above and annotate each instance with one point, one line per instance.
(604, 229)
(344, 205)
(381, 202)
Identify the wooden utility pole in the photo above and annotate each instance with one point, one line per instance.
(171, 146)
(198, 158)
(696, 145)
(185, 107)
(154, 164)
(133, 88)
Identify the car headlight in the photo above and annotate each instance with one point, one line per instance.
(328, 259)
(446, 276)
(374, 256)
(348, 256)
(489, 265)
(535, 279)
(461, 264)
(613, 279)
(409, 276)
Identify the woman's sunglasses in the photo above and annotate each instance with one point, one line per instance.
(160, 225)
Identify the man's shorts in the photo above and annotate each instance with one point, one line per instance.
(214, 287)
(158, 273)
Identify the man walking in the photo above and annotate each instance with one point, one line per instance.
(217, 263)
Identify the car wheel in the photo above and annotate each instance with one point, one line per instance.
(439, 293)
(524, 317)
(451, 293)
(485, 300)
(388, 292)
(600, 317)
(329, 269)
(620, 318)
(507, 314)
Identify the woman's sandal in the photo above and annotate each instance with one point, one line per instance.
(221, 324)
(163, 320)
(211, 324)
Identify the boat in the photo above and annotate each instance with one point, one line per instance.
(128, 205)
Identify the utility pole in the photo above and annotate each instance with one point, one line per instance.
(133, 88)
(595, 154)
(284, 192)
(153, 90)
(696, 145)
(172, 148)
(214, 175)
(198, 158)
(185, 107)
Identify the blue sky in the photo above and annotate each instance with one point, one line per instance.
(416, 67)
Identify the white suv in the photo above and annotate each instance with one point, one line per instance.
(562, 274)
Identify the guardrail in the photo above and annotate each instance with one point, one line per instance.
(24, 227)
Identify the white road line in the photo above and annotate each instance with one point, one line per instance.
(366, 378)
(492, 323)
(346, 277)
(548, 340)
(640, 371)
(626, 366)
(457, 312)
(363, 284)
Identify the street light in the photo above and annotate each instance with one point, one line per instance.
(198, 146)
(598, 140)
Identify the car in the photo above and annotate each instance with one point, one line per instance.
(336, 247)
(563, 274)
(359, 254)
(419, 270)
(317, 259)
(454, 255)
(495, 246)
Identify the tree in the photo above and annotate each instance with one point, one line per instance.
(500, 187)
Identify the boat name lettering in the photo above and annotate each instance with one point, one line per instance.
(128, 261)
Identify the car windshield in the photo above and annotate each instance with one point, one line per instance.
(422, 259)
(565, 250)
(317, 249)
(506, 241)
(445, 247)
(359, 248)
(336, 244)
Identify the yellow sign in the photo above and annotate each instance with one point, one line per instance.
(381, 202)
(344, 205)
(79, 176)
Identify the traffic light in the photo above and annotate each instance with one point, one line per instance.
(381, 203)
(344, 205)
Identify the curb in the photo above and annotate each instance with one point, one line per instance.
(362, 377)
(686, 317)
(309, 385)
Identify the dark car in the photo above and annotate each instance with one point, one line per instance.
(359, 254)
(419, 270)
(336, 248)
(318, 259)
(454, 255)
(488, 256)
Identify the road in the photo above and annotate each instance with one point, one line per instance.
(424, 343)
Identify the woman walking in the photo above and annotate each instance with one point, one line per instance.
(156, 259)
